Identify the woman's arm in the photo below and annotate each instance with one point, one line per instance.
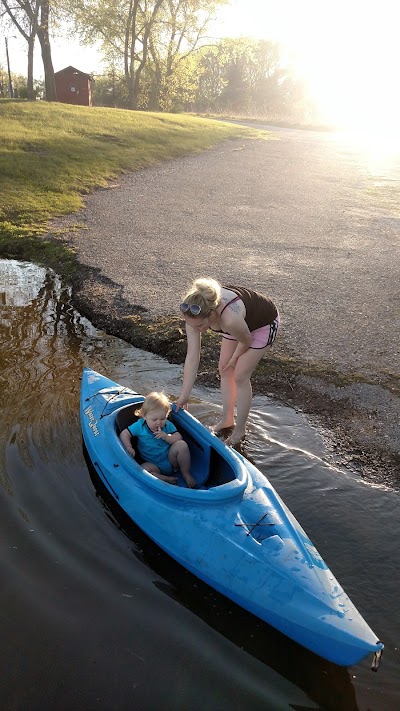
(191, 366)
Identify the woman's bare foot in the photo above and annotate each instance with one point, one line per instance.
(223, 425)
(236, 438)
(190, 481)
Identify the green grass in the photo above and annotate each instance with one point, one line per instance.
(52, 154)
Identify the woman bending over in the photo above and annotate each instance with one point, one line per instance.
(248, 322)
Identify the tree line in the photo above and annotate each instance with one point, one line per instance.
(159, 56)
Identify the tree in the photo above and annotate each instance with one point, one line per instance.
(178, 94)
(44, 39)
(244, 75)
(179, 31)
(20, 87)
(31, 18)
(210, 77)
(26, 24)
(123, 28)
(110, 90)
(143, 35)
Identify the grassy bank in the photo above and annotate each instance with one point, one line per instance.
(51, 155)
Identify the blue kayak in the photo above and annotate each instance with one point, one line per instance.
(233, 531)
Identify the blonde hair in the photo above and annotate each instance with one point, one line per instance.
(206, 293)
(151, 402)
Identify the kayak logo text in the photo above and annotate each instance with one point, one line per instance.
(92, 420)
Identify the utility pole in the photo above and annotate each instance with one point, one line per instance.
(10, 86)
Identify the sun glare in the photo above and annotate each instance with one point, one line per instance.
(350, 56)
(347, 51)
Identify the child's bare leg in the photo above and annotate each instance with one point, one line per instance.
(153, 469)
(179, 456)
(168, 479)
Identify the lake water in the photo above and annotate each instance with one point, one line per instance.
(96, 616)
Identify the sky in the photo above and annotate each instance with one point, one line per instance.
(347, 50)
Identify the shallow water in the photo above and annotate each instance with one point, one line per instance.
(94, 615)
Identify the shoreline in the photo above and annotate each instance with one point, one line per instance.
(300, 217)
(356, 418)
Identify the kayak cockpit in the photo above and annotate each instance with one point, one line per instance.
(214, 466)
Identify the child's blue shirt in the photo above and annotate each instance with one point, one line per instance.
(150, 448)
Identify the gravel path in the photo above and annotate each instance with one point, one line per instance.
(305, 217)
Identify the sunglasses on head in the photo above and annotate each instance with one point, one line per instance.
(193, 309)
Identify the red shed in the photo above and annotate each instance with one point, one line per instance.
(73, 86)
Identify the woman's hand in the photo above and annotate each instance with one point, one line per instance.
(236, 326)
(231, 363)
(181, 402)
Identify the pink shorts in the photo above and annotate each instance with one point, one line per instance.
(261, 337)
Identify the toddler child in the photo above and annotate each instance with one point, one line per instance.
(159, 443)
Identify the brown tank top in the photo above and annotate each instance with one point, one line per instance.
(260, 310)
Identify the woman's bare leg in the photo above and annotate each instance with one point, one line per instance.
(228, 386)
(242, 373)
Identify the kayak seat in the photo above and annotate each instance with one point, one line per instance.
(127, 416)
(209, 468)
(220, 471)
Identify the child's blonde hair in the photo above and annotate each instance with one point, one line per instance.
(152, 401)
(206, 293)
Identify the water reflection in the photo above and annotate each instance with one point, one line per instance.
(42, 359)
(85, 591)
(20, 282)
